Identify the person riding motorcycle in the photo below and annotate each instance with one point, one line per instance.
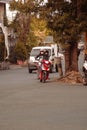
(39, 57)
(46, 57)
(46, 54)
(43, 55)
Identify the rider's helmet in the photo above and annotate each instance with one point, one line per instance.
(46, 52)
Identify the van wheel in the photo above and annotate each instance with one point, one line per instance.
(30, 71)
(56, 68)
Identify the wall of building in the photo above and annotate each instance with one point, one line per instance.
(2, 12)
(10, 14)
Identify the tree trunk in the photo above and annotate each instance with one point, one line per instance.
(71, 58)
(67, 59)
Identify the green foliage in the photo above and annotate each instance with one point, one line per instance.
(32, 39)
(5, 21)
(82, 15)
(30, 6)
(39, 28)
(12, 57)
(20, 51)
(29, 29)
(2, 47)
(64, 18)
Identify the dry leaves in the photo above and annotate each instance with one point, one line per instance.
(72, 77)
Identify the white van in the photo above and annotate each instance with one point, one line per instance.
(34, 52)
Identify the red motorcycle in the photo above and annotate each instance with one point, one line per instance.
(44, 70)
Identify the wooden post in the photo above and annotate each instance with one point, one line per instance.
(85, 35)
(59, 65)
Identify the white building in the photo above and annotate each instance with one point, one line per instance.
(4, 11)
(10, 14)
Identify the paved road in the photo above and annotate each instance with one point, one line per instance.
(27, 104)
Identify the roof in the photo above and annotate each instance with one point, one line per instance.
(5, 1)
(42, 47)
(48, 39)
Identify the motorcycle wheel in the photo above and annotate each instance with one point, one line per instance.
(44, 77)
(40, 80)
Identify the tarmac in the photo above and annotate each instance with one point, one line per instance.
(11, 67)
(15, 66)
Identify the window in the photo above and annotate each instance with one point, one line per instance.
(35, 52)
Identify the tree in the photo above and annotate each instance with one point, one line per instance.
(2, 47)
(29, 28)
(67, 20)
(20, 52)
(39, 28)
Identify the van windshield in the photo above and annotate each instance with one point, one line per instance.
(35, 52)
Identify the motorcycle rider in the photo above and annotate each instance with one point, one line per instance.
(43, 55)
(46, 55)
(40, 55)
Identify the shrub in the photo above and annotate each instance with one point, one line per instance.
(2, 47)
(20, 52)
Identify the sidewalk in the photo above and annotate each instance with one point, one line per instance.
(7, 66)
(15, 66)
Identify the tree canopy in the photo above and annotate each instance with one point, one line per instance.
(67, 19)
(27, 24)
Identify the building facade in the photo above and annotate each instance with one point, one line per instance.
(4, 29)
(2, 12)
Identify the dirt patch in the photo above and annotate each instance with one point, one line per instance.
(72, 77)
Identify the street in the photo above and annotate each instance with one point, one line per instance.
(27, 104)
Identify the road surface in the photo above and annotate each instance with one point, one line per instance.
(27, 104)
